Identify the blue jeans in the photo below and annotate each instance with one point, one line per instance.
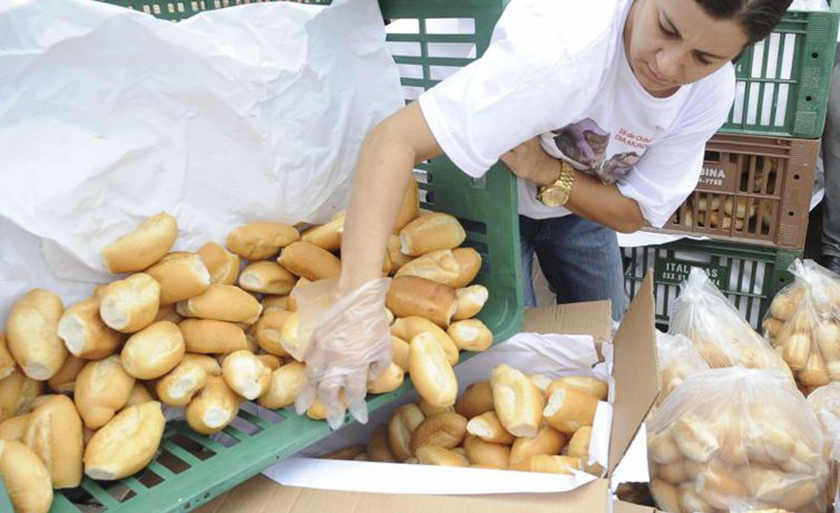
(580, 259)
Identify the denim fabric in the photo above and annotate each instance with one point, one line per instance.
(580, 259)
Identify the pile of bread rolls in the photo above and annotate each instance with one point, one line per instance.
(736, 439)
(513, 421)
(206, 330)
(717, 329)
(803, 325)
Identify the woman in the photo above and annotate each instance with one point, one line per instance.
(601, 108)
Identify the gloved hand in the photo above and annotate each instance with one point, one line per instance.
(346, 342)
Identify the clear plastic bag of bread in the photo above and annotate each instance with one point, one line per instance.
(678, 359)
(345, 343)
(737, 439)
(717, 329)
(803, 324)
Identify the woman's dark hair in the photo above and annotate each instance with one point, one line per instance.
(757, 17)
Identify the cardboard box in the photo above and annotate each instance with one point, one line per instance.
(636, 388)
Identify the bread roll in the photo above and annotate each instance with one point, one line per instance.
(246, 375)
(548, 464)
(470, 301)
(290, 338)
(518, 403)
(665, 495)
(348, 453)
(389, 381)
(84, 332)
(569, 409)
(431, 233)
(476, 399)
(210, 365)
(139, 395)
(54, 433)
(470, 335)
(64, 381)
(31, 334)
(446, 429)
(431, 372)
(489, 428)
(394, 255)
(401, 427)
(592, 386)
(409, 327)
(486, 454)
(214, 408)
(412, 296)
(267, 277)
(269, 329)
(131, 304)
(378, 448)
(26, 478)
(181, 276)
(690, 501)
(287, 383)
(102, 389)
(14, 428)
(401, 350)
(212, 337)
(327, 236)
(260, 240)
(438, 266)
(222, 303)
(142, 247)
(469, 261)
(17, 392)
(409, 207)
(434, 455)
(179, 386)
(222, 265)
(695, 439)
(126, 444)
(153, 351)
(309, 261)
(7, 363)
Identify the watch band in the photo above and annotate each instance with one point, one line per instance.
(556, 194)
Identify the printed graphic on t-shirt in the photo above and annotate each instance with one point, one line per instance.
(585, 143)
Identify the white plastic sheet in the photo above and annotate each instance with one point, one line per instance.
(109, 115)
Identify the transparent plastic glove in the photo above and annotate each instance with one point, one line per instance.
(347, 342)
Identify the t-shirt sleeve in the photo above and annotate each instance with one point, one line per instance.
(529, 81)
(670, 168)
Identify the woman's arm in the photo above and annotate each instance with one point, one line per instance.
(589, 198)
(387, 158)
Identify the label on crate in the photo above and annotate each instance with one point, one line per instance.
(677, 271)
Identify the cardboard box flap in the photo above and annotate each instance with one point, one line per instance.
(592, 318)
(637, 380)
(260, 495)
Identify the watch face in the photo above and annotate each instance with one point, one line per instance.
(554, 197)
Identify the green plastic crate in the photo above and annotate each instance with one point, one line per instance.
(784, 80)
(750, 276)
(193, 469)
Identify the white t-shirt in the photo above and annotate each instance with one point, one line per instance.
(557, 69)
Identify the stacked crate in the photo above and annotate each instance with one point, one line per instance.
(757, 180)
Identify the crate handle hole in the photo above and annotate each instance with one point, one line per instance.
(815, 55)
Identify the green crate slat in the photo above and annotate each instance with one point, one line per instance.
(488, 209)
(736, 267)
(814, 34)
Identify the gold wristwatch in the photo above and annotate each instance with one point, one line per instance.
(556, 194)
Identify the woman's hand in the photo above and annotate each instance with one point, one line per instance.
(531, 163)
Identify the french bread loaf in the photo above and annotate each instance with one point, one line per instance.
(31, 332)
(143, 246)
